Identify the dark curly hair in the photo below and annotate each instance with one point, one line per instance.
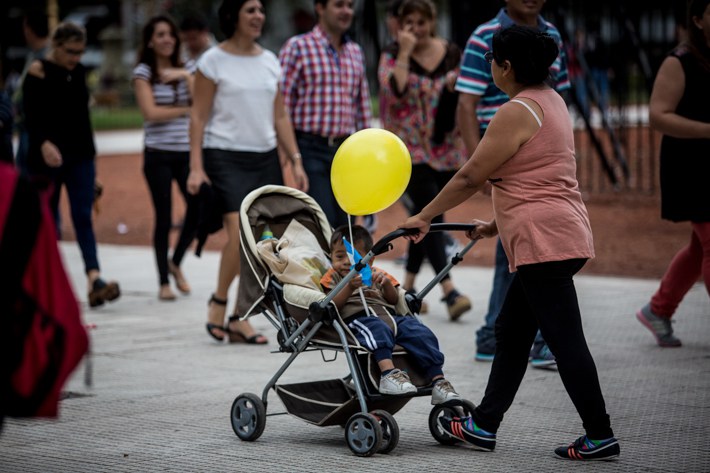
(529, 51)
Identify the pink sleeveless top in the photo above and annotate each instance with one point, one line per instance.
(536, 200)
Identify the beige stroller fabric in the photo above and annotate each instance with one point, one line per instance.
(277, 207)
(296, 257)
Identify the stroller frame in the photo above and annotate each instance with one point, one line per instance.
(366, 414)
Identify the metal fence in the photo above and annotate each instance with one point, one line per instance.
(618, 47)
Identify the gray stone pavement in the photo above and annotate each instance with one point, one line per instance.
(162, 389)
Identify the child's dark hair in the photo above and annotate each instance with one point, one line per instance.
(360, 233)
(529, 51)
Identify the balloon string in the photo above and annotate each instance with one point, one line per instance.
(352, 261)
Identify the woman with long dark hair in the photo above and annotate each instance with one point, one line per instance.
(163, 88)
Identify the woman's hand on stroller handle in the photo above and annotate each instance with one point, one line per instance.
(482, 229)
(415, 228)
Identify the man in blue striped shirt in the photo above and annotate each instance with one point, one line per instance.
(479, 100)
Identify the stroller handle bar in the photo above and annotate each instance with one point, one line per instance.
(383, 244)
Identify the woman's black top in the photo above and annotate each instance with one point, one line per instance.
(685, 163)
(57, 109)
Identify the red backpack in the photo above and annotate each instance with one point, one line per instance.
(42, 337)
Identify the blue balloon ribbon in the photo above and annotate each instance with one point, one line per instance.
(355, 257)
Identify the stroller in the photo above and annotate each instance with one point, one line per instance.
(307, 321)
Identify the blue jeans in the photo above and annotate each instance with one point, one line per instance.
(502, 277)
(420, 342)
(79, 180)
(317, 161)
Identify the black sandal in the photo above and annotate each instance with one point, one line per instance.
(210, 326)
(235, 336)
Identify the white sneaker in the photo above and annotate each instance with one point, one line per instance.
(396, 383)
(442, 392)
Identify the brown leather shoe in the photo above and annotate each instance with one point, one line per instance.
(456, 304)
(103, 291)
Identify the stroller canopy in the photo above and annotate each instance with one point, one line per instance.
(275, 207)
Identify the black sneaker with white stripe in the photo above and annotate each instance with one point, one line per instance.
(464, 428)
(586, 449)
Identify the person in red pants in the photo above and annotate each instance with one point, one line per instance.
(678, 109)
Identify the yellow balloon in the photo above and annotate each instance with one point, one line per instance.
(370, 171)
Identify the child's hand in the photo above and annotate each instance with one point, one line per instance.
(378, 277)
(355, 282)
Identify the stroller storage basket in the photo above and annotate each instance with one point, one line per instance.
(329, 402)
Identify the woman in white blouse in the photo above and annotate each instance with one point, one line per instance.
(238, 119)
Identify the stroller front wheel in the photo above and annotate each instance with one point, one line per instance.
(248, 416)
(450, 409)
(390, 430)
(363, 434)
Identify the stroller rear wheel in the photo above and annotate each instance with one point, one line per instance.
(363, 434)
(390, 430)
(450, 409)
(248, 416)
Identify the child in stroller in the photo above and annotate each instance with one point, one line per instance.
(378, 327)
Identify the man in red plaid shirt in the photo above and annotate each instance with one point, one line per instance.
(326, 92)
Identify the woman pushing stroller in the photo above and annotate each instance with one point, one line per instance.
(378, 327)
(527, 154)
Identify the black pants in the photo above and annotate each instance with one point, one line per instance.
(543, 296)
(317, 162)
(160, 169)
(423, 186)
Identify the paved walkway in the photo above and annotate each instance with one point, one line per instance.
(162, 390)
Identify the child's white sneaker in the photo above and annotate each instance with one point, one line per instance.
(442, 392)
(396, 383)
